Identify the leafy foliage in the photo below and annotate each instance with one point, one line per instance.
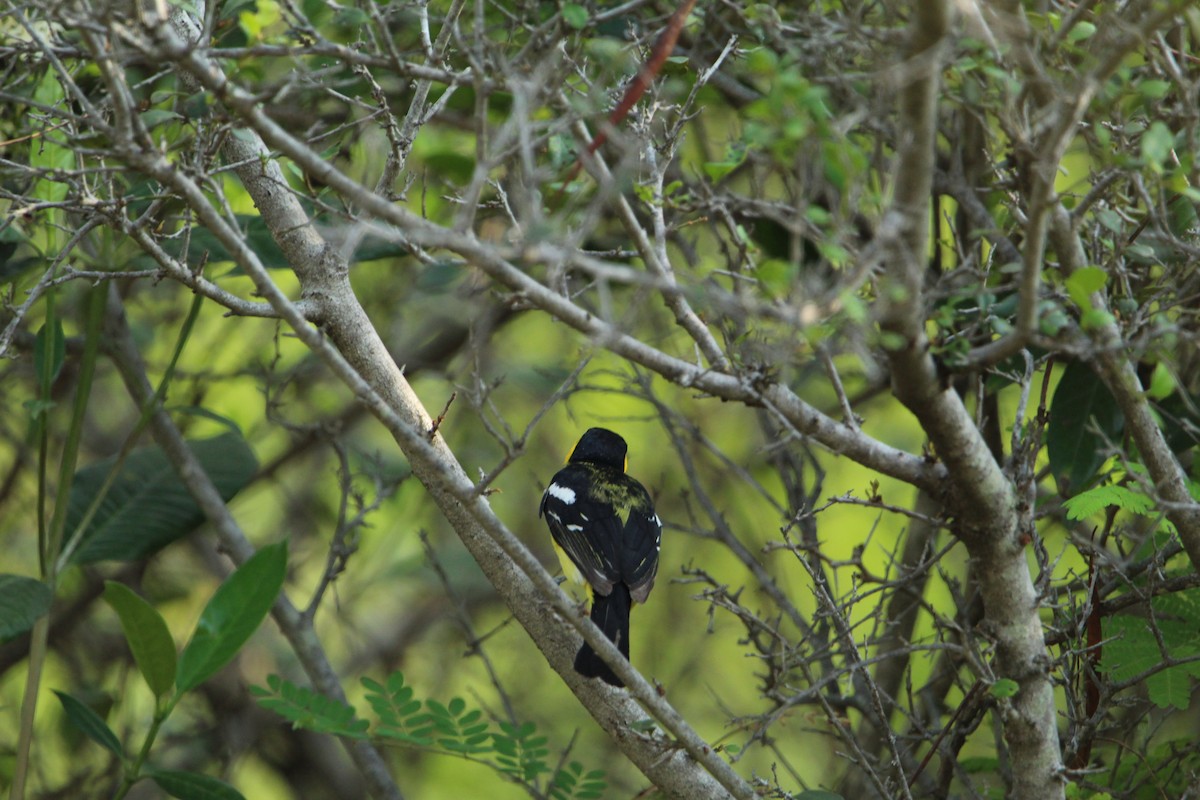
(309, 710)
(235, 611)
(90, 723)
(1132, 649)
(1098, 498)
(1084, 422)
(733, 240)
(193, 786)
(147, 507)
(514, 750)
(148, 637)
(22, 601)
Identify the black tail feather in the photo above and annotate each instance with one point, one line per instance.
(611, 615)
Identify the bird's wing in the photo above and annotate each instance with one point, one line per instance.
(641, 538)
(587, 529)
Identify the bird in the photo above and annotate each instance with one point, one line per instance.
(607, 536)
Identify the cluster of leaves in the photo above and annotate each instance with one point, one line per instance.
(516, 751)
(1167, 654)
(123, 509)
(234, 612)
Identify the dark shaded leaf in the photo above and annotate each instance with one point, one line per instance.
(148, 636)
(147, 506)
(194, 786)
(1083, 415)
(49, 351)
(234, 613)
(22, 601)
(90, 723)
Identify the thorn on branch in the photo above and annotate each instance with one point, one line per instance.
(437, 423)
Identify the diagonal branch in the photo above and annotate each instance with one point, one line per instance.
(682, 764)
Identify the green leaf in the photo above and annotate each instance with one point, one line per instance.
(90, 723)
(1157, 143)
(1098, 498)
(1052, 320)
(1095, 318)
(1083, 414)
(1162, 383)
(148, 507)
(1005, 687)
(574, 15)
(353, 18)
(49, 352)
(50, 157)
(194, 786)
(157, 116)
(22, 601)
(1132, 648)
(235, 611)
(1083, 283)
(306, 709)
(776, 275)
(1111, 220)
(1080, 30)
(148, 636)
(1153, 89)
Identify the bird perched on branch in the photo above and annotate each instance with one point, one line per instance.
(603, 521)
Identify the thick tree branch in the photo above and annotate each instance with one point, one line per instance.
(977, 491)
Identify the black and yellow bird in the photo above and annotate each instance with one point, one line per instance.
(604, 522)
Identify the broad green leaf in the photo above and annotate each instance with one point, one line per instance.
(1094, 319)
(49, 156)
(90, 723)
(157, 116)
(148, 636)
(1080, 30)
(1083, 414)
(1162, 383)
(1157, 143)
(22, 601)
(232, 615)
(1182, 217)
(16, 257)
(148, 507)
(1083, 283)
(49, 351)
(353, 18)
(1153, 89)
(574, 15)
(194, 786)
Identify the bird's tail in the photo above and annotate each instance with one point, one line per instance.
(611, 614)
